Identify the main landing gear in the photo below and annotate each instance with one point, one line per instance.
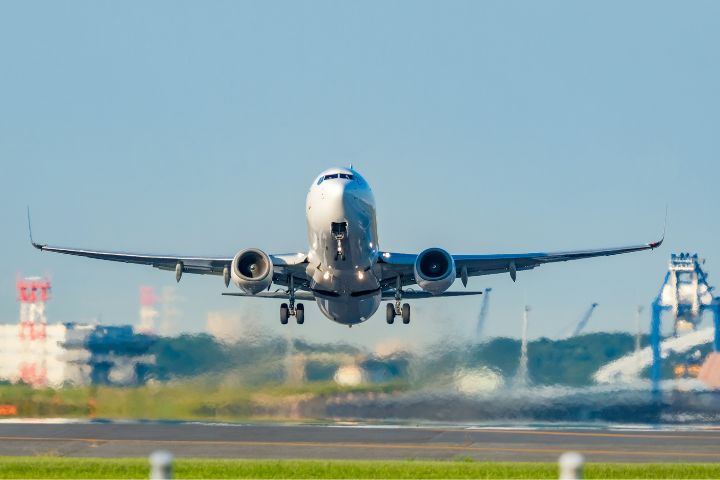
(394, 309)
(287, 311)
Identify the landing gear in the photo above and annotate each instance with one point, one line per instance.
(339, 231)
(300, 314)
(292, 310)
(286, 312)
(392, 311)
(390, 314)
(398, 308)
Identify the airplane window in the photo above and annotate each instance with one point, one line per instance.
(346, 176)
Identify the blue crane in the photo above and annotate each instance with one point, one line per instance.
(584, 320)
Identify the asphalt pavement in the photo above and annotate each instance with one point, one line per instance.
(357, 442)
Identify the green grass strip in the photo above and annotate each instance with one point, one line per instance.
(121, 468)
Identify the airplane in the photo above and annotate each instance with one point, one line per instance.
(345, 271)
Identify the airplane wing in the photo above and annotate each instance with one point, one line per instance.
(476, 265)
(283, 264)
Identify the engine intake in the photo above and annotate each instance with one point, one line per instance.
(252, 270)
(435, 270)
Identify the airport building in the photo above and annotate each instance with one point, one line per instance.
(53, 355)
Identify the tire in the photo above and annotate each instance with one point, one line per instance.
(284, 313)
(300, 313)
(406, 313)
(390, 313)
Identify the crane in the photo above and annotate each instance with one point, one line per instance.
(584, 320)
(580, 325)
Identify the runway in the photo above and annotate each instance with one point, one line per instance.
(353, 442)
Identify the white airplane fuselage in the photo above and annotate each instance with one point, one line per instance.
(343, 246)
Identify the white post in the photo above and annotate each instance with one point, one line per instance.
(571, 465)
(521, 376)
(161, 465)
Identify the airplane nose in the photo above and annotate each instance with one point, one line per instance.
(334, 191)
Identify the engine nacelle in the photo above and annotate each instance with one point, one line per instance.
(435, 270)
(252, 270)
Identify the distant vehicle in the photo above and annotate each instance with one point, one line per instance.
(345, 271)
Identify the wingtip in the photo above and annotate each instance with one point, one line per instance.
(654, 245)
(32, 242)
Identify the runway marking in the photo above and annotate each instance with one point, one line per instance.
(669, 435)
(406, 446)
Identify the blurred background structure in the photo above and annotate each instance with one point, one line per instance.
(686, 294)
(671, 374)
(43, 354)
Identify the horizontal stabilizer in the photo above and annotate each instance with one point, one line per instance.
(413, 295)
(308, 296)
(387, 295)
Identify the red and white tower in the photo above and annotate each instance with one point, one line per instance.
(33, 293)
(148, 310)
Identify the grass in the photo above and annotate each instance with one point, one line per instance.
(194, 399)
(56, 467)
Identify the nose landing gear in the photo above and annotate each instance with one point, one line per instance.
(339, 232)
(292, 310)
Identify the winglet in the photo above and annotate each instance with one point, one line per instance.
(662, 239)
(36, 245)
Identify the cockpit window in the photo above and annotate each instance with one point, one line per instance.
(346, 176)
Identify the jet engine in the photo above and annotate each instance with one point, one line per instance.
(434, 270)
(252, 270)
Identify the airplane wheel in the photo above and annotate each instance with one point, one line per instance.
(300, 314)
(390, 313)
(406, 313)
(284, 313)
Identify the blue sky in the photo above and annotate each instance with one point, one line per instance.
(483, 127)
